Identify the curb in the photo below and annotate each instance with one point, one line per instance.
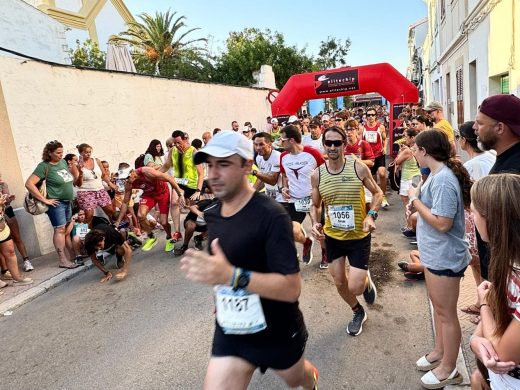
(42, 288)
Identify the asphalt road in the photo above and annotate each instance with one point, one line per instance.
(154, 330)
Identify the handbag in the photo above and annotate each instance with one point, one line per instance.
(34, 206)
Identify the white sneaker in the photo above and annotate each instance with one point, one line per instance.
(27, 266)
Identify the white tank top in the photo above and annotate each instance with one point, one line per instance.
(91, 178)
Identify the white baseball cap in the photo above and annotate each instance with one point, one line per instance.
(124, 173)
(225, 144)
(292, 119)
(274, 120)
(325, 117)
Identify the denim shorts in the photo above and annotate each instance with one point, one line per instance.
(448, 272)
(60, 214)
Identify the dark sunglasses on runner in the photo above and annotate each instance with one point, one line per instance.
(329, 143)
(371, 114)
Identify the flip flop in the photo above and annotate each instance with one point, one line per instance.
(471, 309)
(69, 267)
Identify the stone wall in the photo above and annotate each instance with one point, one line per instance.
(117, 113)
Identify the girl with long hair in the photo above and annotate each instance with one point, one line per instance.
(153, 155)
(440, 203)
(496, 341)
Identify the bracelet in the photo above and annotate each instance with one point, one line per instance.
(484, 304)
(236, 274)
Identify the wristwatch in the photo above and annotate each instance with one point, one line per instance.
(254, 172)
(373, 214)
(242, 280)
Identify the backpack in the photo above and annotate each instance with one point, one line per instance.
(139, 161)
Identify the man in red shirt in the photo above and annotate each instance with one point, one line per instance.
(375, 133)
(358, 147)
(155, 191)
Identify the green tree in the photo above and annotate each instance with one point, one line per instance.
(333, 53)
(160, 41)
(88, 55)
(250, 48)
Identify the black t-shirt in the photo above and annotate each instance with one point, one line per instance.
(259, 238)
(508, 162)
(112, 236)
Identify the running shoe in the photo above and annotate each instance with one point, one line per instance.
(199, 242)
(355, 327)
(370, 293)
(180, 251)
(384, 203)
(23, 282)
(7, 275)
(324, 261)
(177, 236)
(120, 261)
(149, 243)
(27, 266)
(133, 240)
(409, 233)
(170, 244)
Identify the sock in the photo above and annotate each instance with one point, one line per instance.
(357, 307)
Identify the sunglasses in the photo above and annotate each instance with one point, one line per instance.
(329, 143)
(53, 142)
(338, 119)
(371, 114)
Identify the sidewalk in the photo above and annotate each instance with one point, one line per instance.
(46, 275)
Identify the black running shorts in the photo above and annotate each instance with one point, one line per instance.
(277, 354)
(357, 251)
(296, 216)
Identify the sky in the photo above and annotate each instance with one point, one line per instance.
(378, 29)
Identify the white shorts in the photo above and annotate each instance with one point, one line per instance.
(404, 186)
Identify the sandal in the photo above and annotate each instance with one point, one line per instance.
(430, 381)
(424, 365)
(471, 309)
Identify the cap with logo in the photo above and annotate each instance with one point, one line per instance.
(503, 108)
(225, 144)
(274, 120)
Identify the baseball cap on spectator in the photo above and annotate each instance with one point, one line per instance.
(503, 108)
(274, 120)
(433, 106)
(124, 173)
(325, 117)
(246, 129)
(292, 119)
(225, 144)
(315, 123)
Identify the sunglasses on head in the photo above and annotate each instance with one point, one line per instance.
(329, 143)
(52, 142)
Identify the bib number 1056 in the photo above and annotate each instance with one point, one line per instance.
(342, 217)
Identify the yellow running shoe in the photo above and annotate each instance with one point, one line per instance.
(169, 245)
(149, 244)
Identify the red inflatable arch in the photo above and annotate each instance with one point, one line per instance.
(382, 78)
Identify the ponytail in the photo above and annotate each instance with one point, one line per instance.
(463, 178)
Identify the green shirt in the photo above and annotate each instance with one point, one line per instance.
(59, 179)
(186, 175)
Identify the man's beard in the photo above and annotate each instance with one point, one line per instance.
(488, 144)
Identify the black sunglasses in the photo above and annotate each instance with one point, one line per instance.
(53, 142)
(329, 143)
(371, 114)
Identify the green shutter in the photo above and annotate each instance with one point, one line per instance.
(504, 84)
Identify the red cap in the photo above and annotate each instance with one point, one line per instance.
(503, 108)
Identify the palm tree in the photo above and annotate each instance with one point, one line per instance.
(158, 38)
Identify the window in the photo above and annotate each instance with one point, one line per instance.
(504, 83)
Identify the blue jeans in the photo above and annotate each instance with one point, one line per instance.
(60, 214)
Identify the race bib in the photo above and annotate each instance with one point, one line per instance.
(182, 181)
(239, 312)
(271, 193)
(342, 217)
(371, 136)
(303, 205)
